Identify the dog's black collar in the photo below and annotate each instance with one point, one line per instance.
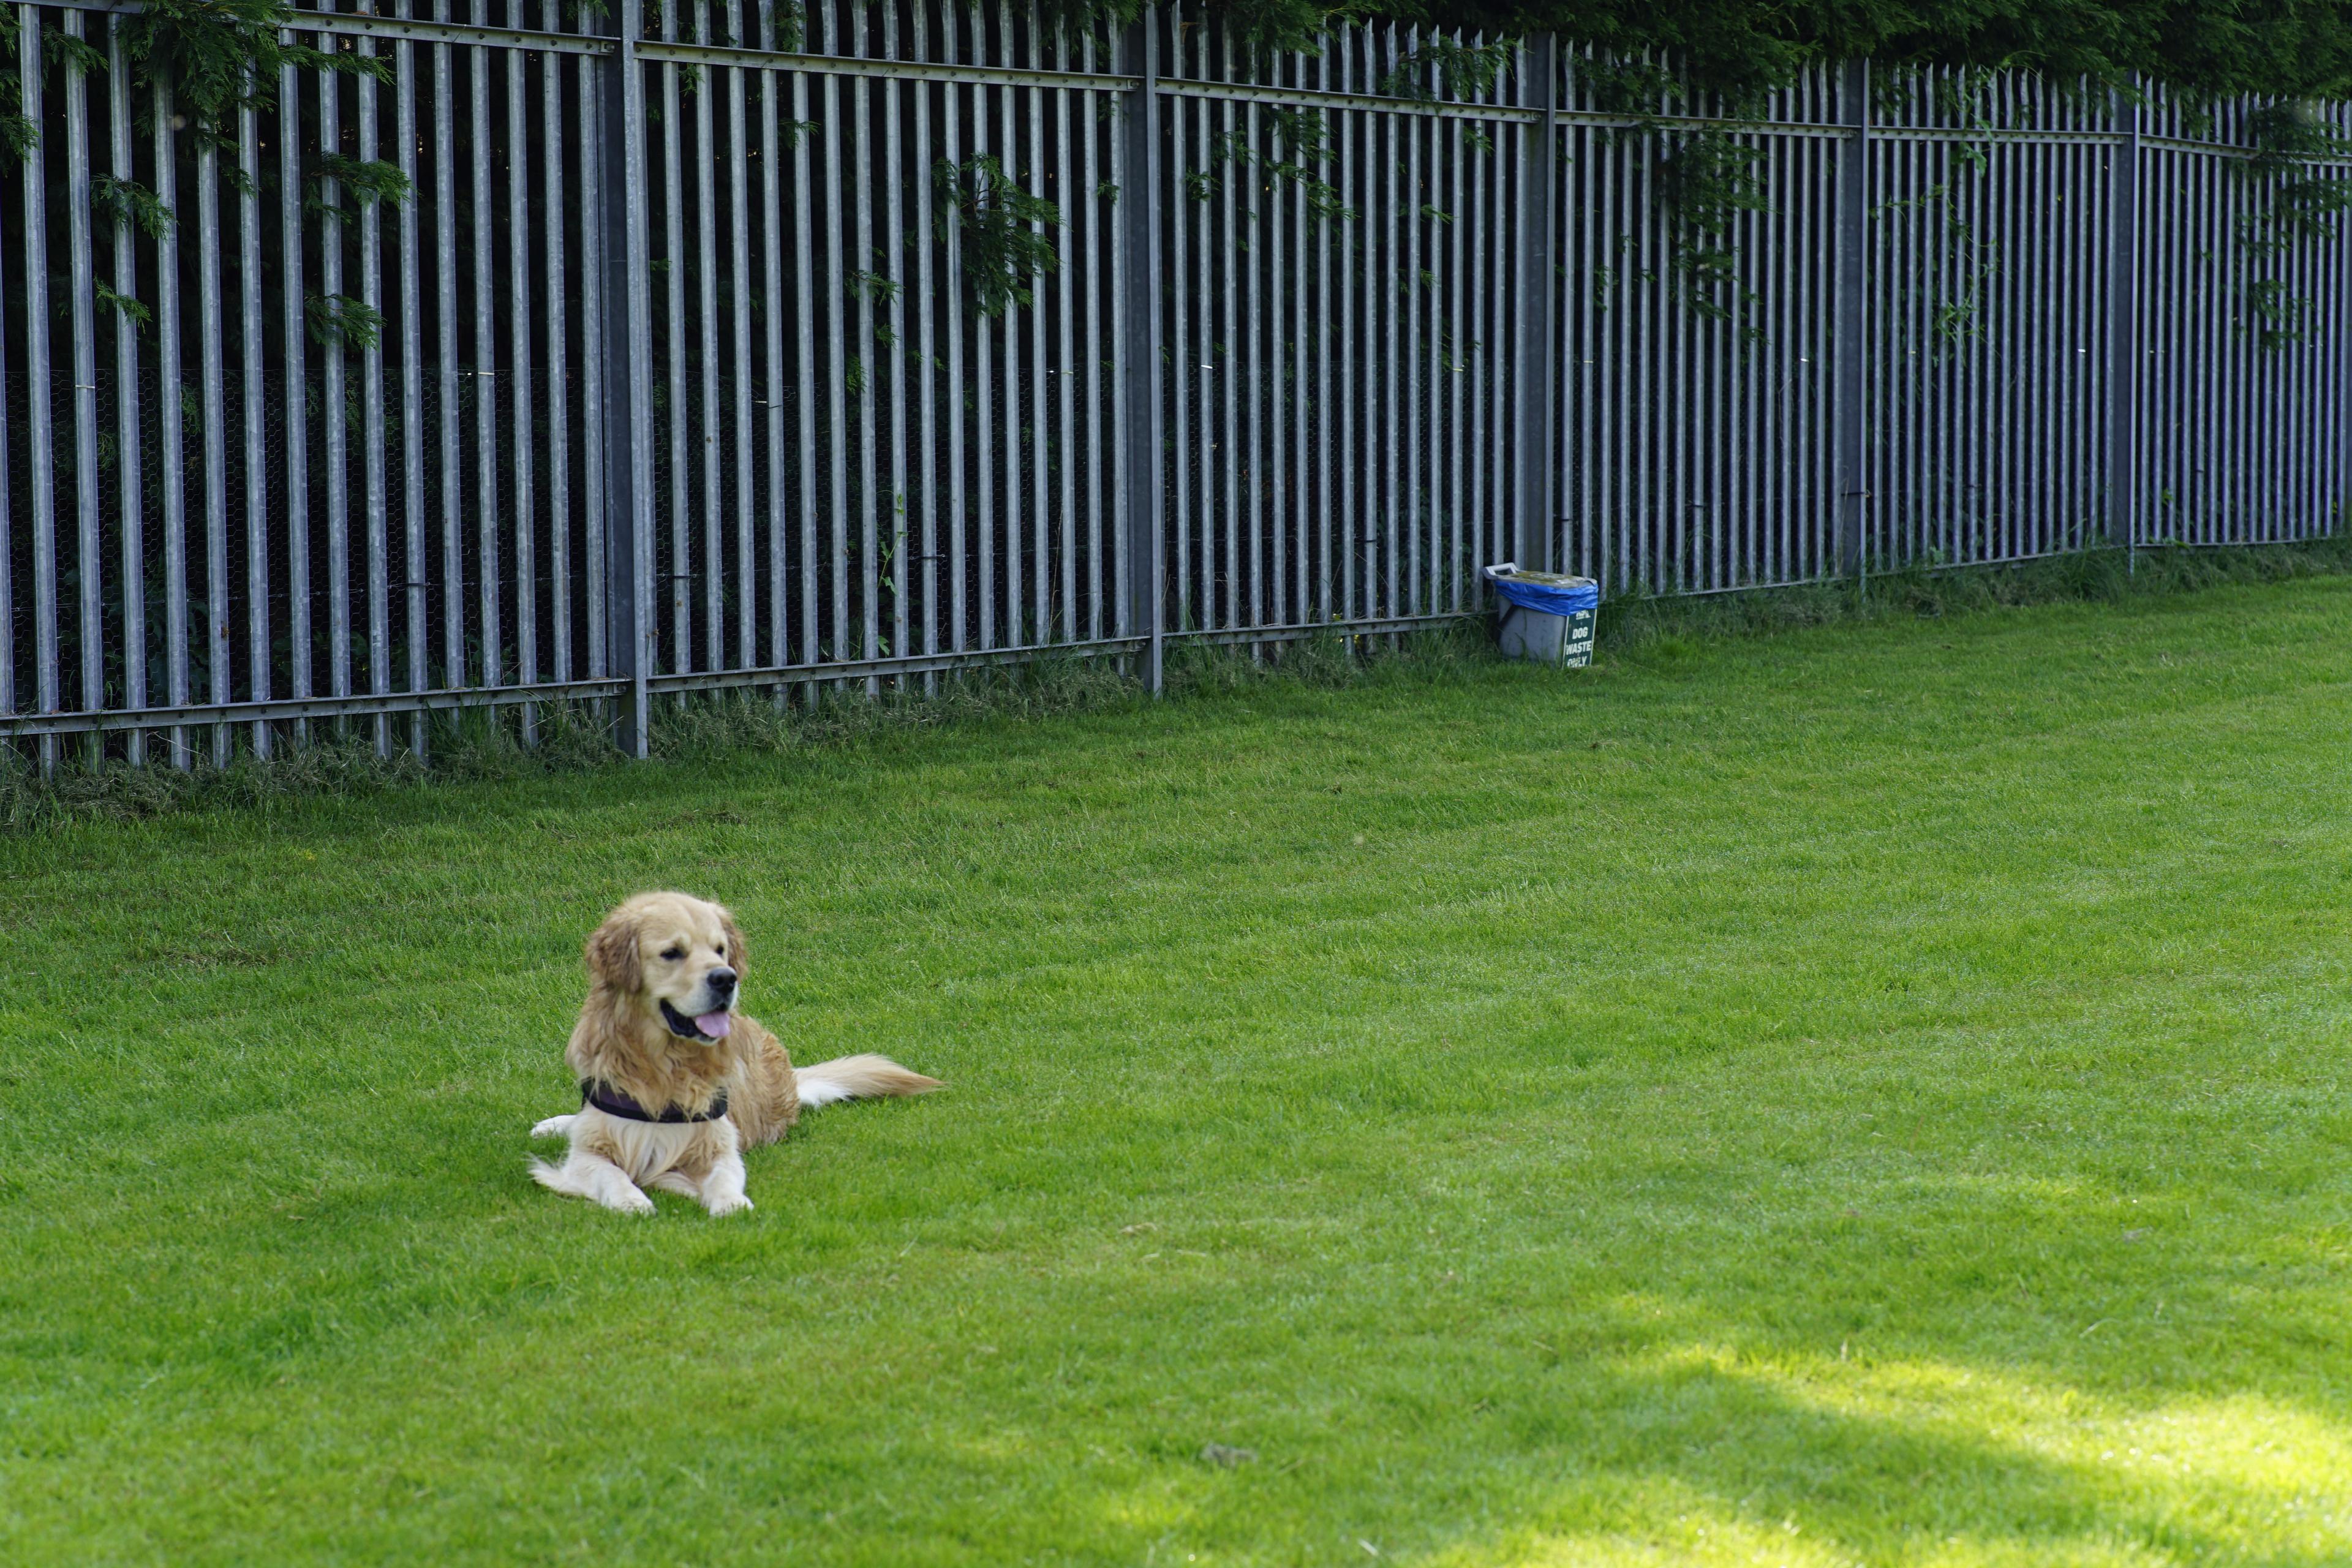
(613, 1103)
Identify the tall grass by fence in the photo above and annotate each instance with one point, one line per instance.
(709, 353)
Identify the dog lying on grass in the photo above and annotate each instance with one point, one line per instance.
(674, 1083)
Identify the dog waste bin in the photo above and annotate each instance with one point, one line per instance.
(1545, 615)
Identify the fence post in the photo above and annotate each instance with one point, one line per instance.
(627, 348)
(1849, 347)
(1142, 598)
(2122, 325)
(1534, 379)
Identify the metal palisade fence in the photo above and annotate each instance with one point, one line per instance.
(606, 355)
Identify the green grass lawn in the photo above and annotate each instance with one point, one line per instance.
(1868, 1095)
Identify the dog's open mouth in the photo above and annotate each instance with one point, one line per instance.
(708, 1027)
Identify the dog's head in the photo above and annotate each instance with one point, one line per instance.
(674, 956)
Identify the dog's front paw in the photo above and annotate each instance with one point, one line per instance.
(736, 1204)
(553, 1127)
(630, 1202)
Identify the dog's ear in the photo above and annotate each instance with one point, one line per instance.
(612, 953)
(738, 957)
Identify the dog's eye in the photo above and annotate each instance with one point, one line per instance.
(723, 950)
(673, 954)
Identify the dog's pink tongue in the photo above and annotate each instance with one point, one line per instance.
(715, 1024)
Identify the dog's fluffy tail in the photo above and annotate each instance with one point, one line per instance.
(856, 1078)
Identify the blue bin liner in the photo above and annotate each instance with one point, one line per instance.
(1543, 591)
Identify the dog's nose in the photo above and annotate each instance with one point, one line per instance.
(720, 981)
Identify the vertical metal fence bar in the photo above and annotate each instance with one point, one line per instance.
(592, 80)
(927, 310)
(1643, 334)
(2083, 414)
(415, 609)
(2008, 426)
(1101, 290)
(2044, 382)
(1093, 471)
(558, 378)
(989, 377)
(707, 261)
(1971, 358)
(253, 370)
(1480, 346)
(1635, 447)
(1065, 373)
(7, 531)
(2030, 370)
(2122, 320)
(627, 350)
(985, 360)
(1494, 470)
(1323, 387)
(41, 452)
(1848, 338)
(1940, 490)
(1894, 299)
(1178, 457)
(2261, 385)
(2325, 497)
(1412, 533)
(2225, 515)
(524, 401)
(131, 525)
(2169, 450)
(171, 469)
(1254, 296)
(739, 227)
(676, 641)
(1757, 349)
(2210, 520)
(455, 667)
(1454, 361)
(1038, 401)
(807, 214)
(1284, 402)
(1532, 380)
(482, 244)
(1357, 479)
(1431, 217)
(215, 404)
(1224, 354)
(2074, 263)
(89, 563)
(372, 433)
(954, 316)
(335, 407)
(1142, 598)
(1784, 160)
(859, 286)
(891, 258)
(836, 292)
(2158, 281)
(1678, 379)
(771, 253)
(297, 397)
(1651, 474)
(1189, 190)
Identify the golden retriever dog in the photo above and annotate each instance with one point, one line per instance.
(674, 1083)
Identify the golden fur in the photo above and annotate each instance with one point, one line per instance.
(669, 956)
